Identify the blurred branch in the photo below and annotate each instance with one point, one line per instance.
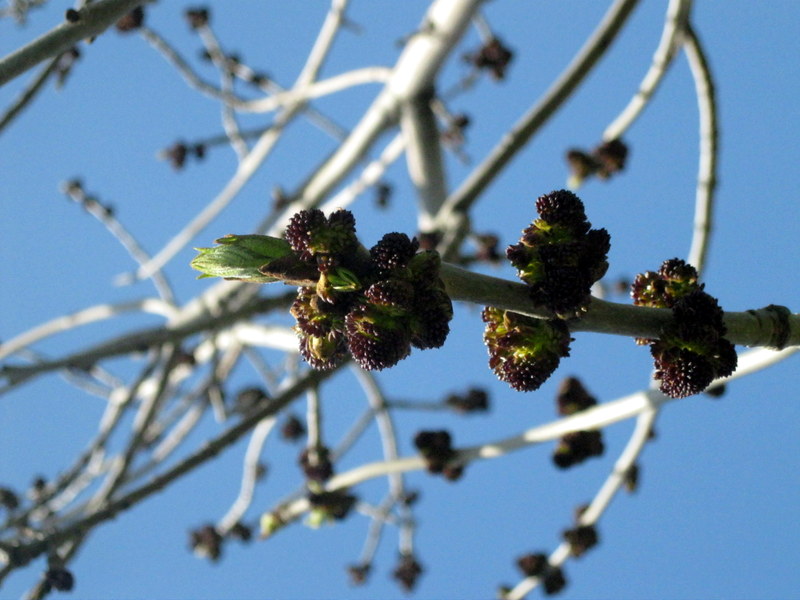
(424, 156)
(317, 89)
(27, 552)
(591, 515)
(28, 94)
(515, 139)
(83, 317)
(95, 18)
(257, 155)
(251, 469)
(103, 213)
(146, 338)
(414, 72)
(370, 175)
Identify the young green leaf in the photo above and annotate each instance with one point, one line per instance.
(240, 257)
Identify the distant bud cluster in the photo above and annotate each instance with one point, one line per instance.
(537, 565)
(604, 161)
(373, 306)
(559, 255)
(691, 351)
(440, 457)
(575, 447)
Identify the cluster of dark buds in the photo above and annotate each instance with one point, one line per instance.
(316, 464)
(437, 450)
(493, 56)
(604, 161)
(248, 399)
(559, 255)
(58, 578)
(524, 351)
(573, 397)
(206, 542)
(197, 17)
(358, 573)
(407, 572)
(132, 21)
(691, 350)
(292, 428)
(374, 306)
(537, 565)
(474, 400)
(330, 506)
(580, 539)
(575, 447)
(9, 499)
(178, 152)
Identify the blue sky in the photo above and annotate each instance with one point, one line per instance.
(715, 516)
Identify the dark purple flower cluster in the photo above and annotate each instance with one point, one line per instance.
(334, 505)
(573, 397)
(58, 578)
(581, 538)
(537, 565)
(437, 450)
(524, 351)
(407, 572)
(493, 56)
(559, 255)
(604, 161)
(575, 447)
(474, 400)
(691, 351)
(662, 289)
(316, 464)
(373, 306)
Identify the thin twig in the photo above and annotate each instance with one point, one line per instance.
(250, 474)
(424, 157)
(709, 133)
(94, 20)
(28, 94)
(601, 501)
(369, 176)
(596, 417)
(74, 189)
(671, 35)
(513, 141)
(414, 72)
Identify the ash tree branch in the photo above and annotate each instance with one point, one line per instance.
(250, 163)
(674, 26)
(95, 18)
(424, 156)
(709, 148)
(514, 140)
(415, 71)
